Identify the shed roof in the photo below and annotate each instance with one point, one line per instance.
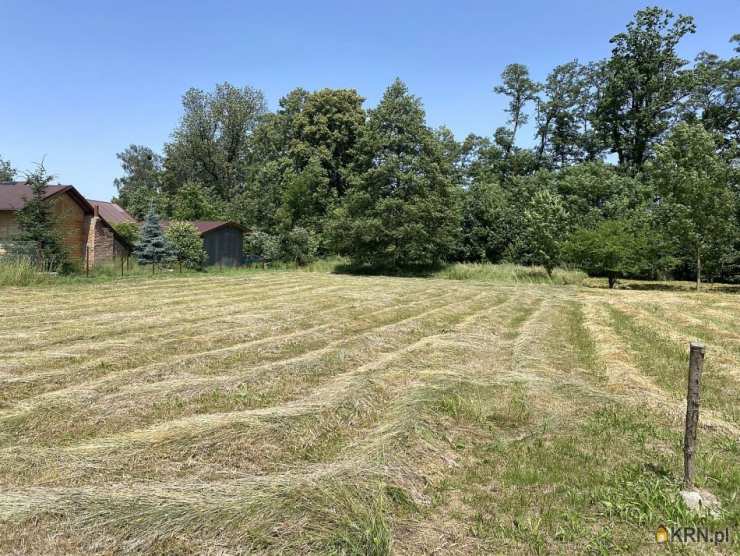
(111, 212)
(205, 226)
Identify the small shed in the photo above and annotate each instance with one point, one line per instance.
(223, 241)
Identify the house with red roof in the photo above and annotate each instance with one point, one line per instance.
(88, 238)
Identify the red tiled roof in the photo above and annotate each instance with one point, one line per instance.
(111, 212)
(15, 194)
(204, 226)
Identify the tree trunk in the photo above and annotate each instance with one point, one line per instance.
(698, 269)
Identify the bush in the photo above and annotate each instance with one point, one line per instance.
(261, 244)
(297, 246)
(186, 244)
(128, 231)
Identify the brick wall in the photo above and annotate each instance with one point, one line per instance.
(8, 228)
(102, 245)
(72, 224)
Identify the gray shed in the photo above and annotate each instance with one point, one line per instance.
(223, 241)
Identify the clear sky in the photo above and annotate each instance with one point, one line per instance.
(82, 80)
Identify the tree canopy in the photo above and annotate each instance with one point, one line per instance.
(632, 169)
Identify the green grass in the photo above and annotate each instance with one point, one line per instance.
(285, 411)
(509, 274)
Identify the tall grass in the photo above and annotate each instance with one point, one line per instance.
(21, 271)
(510, 274)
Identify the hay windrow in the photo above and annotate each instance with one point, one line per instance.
(310, 413)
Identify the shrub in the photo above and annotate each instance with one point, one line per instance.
(128, 231)
(261, 244)
(185, 244)
(298, 246)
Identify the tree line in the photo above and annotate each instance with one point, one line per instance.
(632, 171)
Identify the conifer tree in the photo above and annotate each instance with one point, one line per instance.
(152, 248)
(37, 226)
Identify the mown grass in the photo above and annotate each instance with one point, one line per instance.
(292, 412)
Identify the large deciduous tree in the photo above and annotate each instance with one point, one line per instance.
(715, 99)
(517, 85)
(697, 202)
(403, 212)
(142, 183)
(211, 145)
(304, 160)
(614, 249)
(645, 84)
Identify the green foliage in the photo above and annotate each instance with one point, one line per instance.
(593, 191)
(403, 212)
(128, 230)
(20, 271)
(141, 185)
(262, 244)
(544, 226)
(38, 234)
(323, 176)
(193, 202)
(298, 246)
(645, 83)
(615, 248)
(486, 223)
(698, 205)
(516, 84)
(211, 145)
(7, 172)
(152, 247)
(185, 244)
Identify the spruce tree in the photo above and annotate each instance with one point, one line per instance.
(37, 226)
(152, 247)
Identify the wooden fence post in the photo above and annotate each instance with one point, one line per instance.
(696, 364)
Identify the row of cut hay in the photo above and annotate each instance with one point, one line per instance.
(387, 335)
(341, 505)
(160, 364)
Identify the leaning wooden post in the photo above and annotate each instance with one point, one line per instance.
(696, 364)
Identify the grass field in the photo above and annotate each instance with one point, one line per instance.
(308, 412)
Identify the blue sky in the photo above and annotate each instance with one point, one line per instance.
(82, 80)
